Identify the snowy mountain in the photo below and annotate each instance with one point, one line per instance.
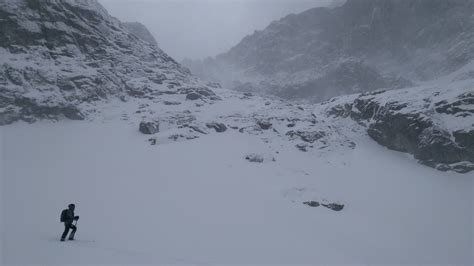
(247, 179)
(72, 59)
(165, 169)
(62, 58)
(364, 45)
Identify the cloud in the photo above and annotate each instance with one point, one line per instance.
(201, 28)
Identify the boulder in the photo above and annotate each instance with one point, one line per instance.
(264, 124)
(312, 203)
(254, 158)
(193, 96)
(219, 127)
(306, 136)
(334, 206)
(149, 128)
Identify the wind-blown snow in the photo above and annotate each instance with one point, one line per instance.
(199, 201)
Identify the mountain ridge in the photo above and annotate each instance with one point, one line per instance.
(61, 57)
(361, 46)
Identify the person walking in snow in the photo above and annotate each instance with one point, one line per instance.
(67, 217)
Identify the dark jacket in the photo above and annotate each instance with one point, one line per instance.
(69, 217)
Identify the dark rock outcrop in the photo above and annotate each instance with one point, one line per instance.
(307, 136)
(74, 56)
(193, 96)
(412, 124)
(332, 206)
(149, 128)
(361, 46)
(218, 127)
(312, 203)
(264, 124)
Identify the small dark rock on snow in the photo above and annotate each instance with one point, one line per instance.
(149, 128)
(302, 147)
(312, 203)
(334, 206)
(264, 124)
(254, 158)
(193, 96)
(219, 127)
(171, 103)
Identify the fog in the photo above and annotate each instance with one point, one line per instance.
(200, 28)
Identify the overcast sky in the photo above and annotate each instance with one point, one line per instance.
(202, 28)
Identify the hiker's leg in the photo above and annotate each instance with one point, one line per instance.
(66, 230)
(74, 228)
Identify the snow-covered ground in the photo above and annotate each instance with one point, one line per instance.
(199, 201)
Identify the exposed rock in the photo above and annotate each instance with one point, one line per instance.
(152, 141)
(149, 128)
(254, 158)
(171, 103)
(264, 124)
(411, 124)
(302, 146)
(193, 96)
(312, 203)
(219, 127)
(29, 109)
(363, 45)
(307, 136)
(198, 129)
(176, 137)
(74, 56)
(331, 206)
(334, 206)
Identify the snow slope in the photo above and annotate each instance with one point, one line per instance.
(199, 201)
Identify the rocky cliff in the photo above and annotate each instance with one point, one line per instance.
(363, 45)
(60, 57)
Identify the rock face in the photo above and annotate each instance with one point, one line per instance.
(364, 45)
(60, 58)
(140, 31)
(435, 125)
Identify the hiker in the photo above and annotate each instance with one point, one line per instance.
(67, 217)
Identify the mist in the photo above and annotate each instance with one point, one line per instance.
(197, 29)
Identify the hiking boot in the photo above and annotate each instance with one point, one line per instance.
(62, 239)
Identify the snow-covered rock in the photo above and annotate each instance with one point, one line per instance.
(363, 45)
(140, 31)
(60, 58)
(434, 124)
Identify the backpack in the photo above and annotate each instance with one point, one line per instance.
(63, 216)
